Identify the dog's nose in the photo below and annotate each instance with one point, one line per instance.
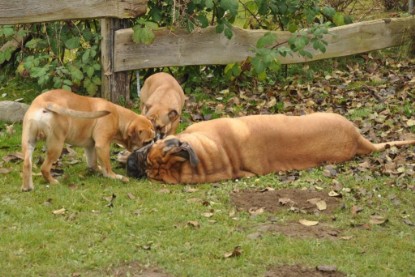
(147, 142)
(159, 135)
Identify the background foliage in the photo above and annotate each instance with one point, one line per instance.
(66, 54)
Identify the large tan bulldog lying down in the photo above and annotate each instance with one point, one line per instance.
(60, 116)
(227, 148)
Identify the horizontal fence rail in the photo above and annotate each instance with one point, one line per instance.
(31, 11)
(205, 46)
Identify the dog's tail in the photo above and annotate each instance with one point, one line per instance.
(74, 113)
(382, 146)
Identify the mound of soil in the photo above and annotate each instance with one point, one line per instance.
(296, 230)
(298, 270)
(283, 200)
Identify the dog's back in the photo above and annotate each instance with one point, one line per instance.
(161, 101)
(269, 143)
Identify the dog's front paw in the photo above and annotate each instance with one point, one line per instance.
(123, 178)
(27, 188)
(53, 181)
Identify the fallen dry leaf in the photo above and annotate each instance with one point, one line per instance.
(254, 236)
(10, 129)
(256, 211)
(377, 220)
(110, 200)
(59, 212)
(189, 189)
(410, 122)
(327, 268)
(193, 224)
(356, 210)
(72, 186)
(194, 200)
(5, 170)
(208, 215)
(165, 191)
(306, 222)
(332, 193)
(267, 189)
(313, 200)
(13, 157)
(321, 205)
(408, 222)
(237, 251)
(232, 212)
(284, 201)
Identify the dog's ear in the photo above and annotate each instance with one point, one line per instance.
(146, 108)
(173, 115)
(187, 152)
(181, 150)
(133, 133)
(170, 144)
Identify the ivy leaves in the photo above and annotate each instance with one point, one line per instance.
(60, 55)
(143, 31)
(193, 14)
(306, 20)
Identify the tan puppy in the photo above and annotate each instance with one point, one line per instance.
(162, 101)
(59, 116)
(227, 148)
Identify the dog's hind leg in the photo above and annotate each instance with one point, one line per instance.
(91, 158)
(28, 146)
(54, 146)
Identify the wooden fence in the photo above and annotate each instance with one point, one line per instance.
(119, 54)
(178, 48)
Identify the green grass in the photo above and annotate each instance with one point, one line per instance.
(149, 225)
(152, 226)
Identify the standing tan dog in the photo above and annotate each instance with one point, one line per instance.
(162, 101)
(227, 148)
(59, 116)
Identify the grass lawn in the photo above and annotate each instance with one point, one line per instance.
(92, 226)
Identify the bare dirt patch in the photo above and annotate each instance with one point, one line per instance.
(298, 270)
(134, 269)
(291, 200)
(304, 201)
(296, 230)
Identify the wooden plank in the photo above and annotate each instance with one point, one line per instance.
(115, 86)
(30, 11)
(178, 48)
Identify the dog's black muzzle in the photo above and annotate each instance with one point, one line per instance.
(137, 162)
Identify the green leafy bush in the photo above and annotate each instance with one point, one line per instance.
(58, 54)
(306, 19)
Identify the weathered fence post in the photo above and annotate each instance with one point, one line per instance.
(115, 85)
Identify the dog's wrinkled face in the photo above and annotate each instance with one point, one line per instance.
(159, 161)
(137, 162)
(166, 156)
